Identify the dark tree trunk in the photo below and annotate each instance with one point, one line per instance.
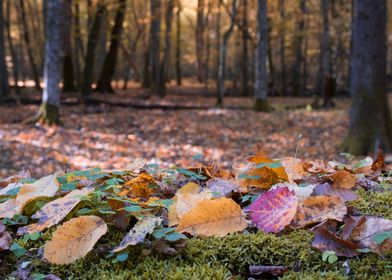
(29, 47)
(15, 64)
(166, 54)
(223, 54)
(261, 75)
(282, 49)
(79, 48)
(3, 67)
(105, 80)
(206, 74)
(370, 119)
(178, 43)
(49, 109)
(88, 72)
(155, 30)
(199, 36)
(244, 62)
(68, 70)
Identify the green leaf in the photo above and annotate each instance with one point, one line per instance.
(38, 276)
(133, 208)
(246, 176)
(380, 237)
(17, 250)
(13, 192)
(84, 211)
(122, 257)
(106, 211)
(175, 236)
(34, 236)
(332, 258)
(69, 186)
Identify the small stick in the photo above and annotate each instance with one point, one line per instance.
(298, 142)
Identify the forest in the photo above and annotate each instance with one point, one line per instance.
(195, 139)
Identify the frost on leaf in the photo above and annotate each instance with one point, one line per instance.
(217, 217)
(74, 239)
(274, 209)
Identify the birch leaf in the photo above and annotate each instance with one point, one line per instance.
(74, 239)
(213, 218)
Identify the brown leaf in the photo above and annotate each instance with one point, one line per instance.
(317, 209)
(260, 158)
(327, 189)
(217, 217)
(140, 185)
(221, 187)
(74, 239)
(343, 180)
(294, 168)
(5, 238)
(262, 178)
(379, 164)
(267, 270)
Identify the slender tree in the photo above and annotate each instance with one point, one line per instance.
(68, 69)
(105, 80)
(3, 67)
(199, 36)
(261, 76)
(15, 64)
(244, 60)
(282, 46)
(154, 48)
(370, 119)
(49, 110)
(178, 43)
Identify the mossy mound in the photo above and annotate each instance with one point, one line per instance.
(221, 258)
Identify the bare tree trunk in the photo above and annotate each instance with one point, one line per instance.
(206, 73)
(155, 30)
(49, 110)
(218, 37)
(223, 54)
(79, 48)
(166, 53)
(105, 80)
(244, 63)
(298, 45)
(3, 67)
(282, 49)
(15, 64)
(261, 75)
(29, 47)
(68, 71)
(370, 119)
(199, 36)
(88, 72)
(178, 43)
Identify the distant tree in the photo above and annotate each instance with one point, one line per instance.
(88, 73)
(105, 80)
(199, 36)
(261, 78)
(15, 64)
(370, 119)
(68, 69)
(49, 110)
(166, 53)
(244, 60)
(3, 67)
(154, 47)
(282, 47)
(178, 43)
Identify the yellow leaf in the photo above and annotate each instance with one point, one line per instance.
(260, 159)
(213, 218)
(44, 187)
(140, 185)
(262, 178)
(74, 239)
(55, 211)
(185, 199)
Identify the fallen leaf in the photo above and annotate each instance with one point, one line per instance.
(261, 159)
(318, 166)
(55, 211)
(10, 208)
(140, 186)
(262, 178)
(325, 240)
(5, 238)
(221, 187)
(294, 168)
(326, 189)
(274, 209)
(186, 199)
(74, 239)
(379, 163)
(343, 180)
(267, 270)
(301, 192)
(138, 233)
(217, 217)
(317, 209)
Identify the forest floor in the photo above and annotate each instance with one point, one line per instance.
(169, 130)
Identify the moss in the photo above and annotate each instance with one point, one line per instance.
(262, 106)
(374, 203)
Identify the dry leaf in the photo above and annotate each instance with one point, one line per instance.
(343, 180)
(262, 178)
(186, 199)
(294, 168)
(74, 239)
(10, 208)
(140, 185)
(260, 158)
(138, 233)
(326, 189)
(317, 209)
(301, 192)
(55, 211)
(5, 238)
(221, 187)
(213, 218)
(274, 209)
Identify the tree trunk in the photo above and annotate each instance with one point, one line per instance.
(261, 76)
(68, 71)
(244, 63)
(155, 30)
(178, 43)
(88, 72)
(282, 49)
(206, 74)
(3, 66)
(327, 79)
(49, 110)
(29, 47)
(370, 120)
(223, 54)
(298, 39)
(199, 36)
(105, 80)
(79, 48)
(15, 64)
(166, 53)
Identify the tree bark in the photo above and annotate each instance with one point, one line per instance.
(68, 70)
(223, 54)
(282, 49)
(261, 75)
(15, 64)
(88, 72)
(178, 43)
(370, 119)
(29, 47)
(79, 48)
(154, 54)
(199, 36)
(3, 66)
(49, 110)
(245, 88)
(166, 53)
(105, 80)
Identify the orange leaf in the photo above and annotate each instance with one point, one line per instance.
(343, 179)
